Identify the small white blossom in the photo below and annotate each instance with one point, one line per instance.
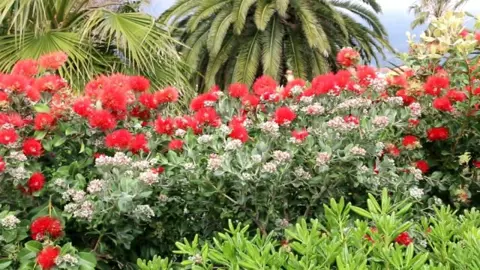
(256, 158)
(379, 84)
(415, 109)
(358, 151)
(9, 222)
(379, 147)
(59, 182)
(78, 196)
(233, 145)
(297, 90)
(380, 121)
(95, 186)
(180, 132)
(270, 167)
(17, 156)
(306, 100)
(322, 159)
(338, 123)
(189, 166)
(144, 212)
(271, 128)
(437, 200)
(18, 173)
(281, 156)
(224, 129)
(416, 192)
(417, 173)
(314, 109)
(214, 162)
(119, 159)
(204, 139)
(149, 177)
(302, 174)
(395, 100)
(85, 211)
(353, 103)
(141, 165)
(246, 176)
(67, 259)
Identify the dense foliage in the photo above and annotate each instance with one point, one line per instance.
(384, 238)
(238, 40)
(107, 177)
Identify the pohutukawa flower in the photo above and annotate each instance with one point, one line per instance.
(46, 258)
(404, 239)
(411, 142)
(44, 121)
(208, 116)
(284, 115)
(392, 149)
(239, 132)
(203, 100)
(32, 147)
(148, 100)
(3, 165)
(102, 119)
(36, 182)
(264, 87)
(456, 96)
(365, 75)
(46, 226)
(53, 60)
(443, 104)
(407, 100)
(119, 139)
(435, 84)
(250, 101)
(8, 136)
(423, 166)
(27, 68)
(438, 134)
(300, 135)
(164, 126)
(238, 90)
(139, 83)
(83, 106)
(348, 57)
(175, 145)
(139, 143)
(169, 94)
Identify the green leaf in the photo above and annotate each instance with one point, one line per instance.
(361, 212)
(87, 261)
(41, 108)
(5, 263)
(39, 135)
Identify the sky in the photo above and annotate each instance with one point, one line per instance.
(395, 17)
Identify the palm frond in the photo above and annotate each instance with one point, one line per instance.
(218, 31)
(240, 11)
(263, 13)
(215, 63)
(294, 54)
(272, 39)
(248, 58)
(282, 7)
(206, 10)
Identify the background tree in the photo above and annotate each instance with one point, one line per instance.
(425, 10)
(98, 37)
(237, 40)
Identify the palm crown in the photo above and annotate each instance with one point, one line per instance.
(237, 40)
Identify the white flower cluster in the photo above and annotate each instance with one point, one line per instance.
(189, 166)
(322, 159)
(180, 132)
(302, 174)
(270, 167)
(17, 156)
(271, 128)
(81, 210)
(204, 139)
(18, 173)
(233, 145)
(358, 151)
(256, 158)
(379, 146)
(224, 129)
(437, 200)
(67, 259)
(281, 156)
(247, 176)
(338, 123)
(417, 173)
(416, 192)
(415, 109)
(59, 182)
(395, 100)
(143, 212)
(74, 195)
(96, 186)
(148, 177)
(380, 121)
(379, 84)
(141, 165)
(314, 109)
(306, 100)
(119, 159)
(297, 90)
(353, 103)
(9, 222)
(214, 162)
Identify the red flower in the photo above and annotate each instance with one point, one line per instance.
(464, 33)
(158, 170)
(83, 106)
(33, 94)
(46, 258)
(457, 96)
(422, 165)
(438, 134)
(435, 84)
(365, 75)
(102, 119)
(3, 165)
(36, 183)
(404, 239)
(250, 101)
(348, 57)
(322, 84)
(238, 90)
(114, 98)
(442, 104)
(284, 115)
(287, 91)
(300, 135)
(351, 119)
(32, 147)
(53, 60)
(4, 97)
(476, 163)
(164, 126)
(203, 100)
(46, 227)
(44, 121)
(398, 80)
(27, 68)
(477, 36)
(407, 100)
(208, 116)
(265, 86)
(169, 94)
(119, 139)
(49, 83)
(411, 142)
(239, 132)
(139, 83)
(392, 149)
(139, 143)
(148, 100)
(175, 145)
(8, 136)
(373, 230)
(15, 82)
(414, 122)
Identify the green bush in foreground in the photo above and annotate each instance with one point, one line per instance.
(386, 237)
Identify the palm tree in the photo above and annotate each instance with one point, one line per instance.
(425, 10)
(107, 36)
(237, 40)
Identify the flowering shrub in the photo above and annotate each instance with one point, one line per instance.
(116, 175)
(384, 238)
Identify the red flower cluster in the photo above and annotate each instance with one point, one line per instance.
(284, 115)
(27, 68)
(35, 183)
(411, 142)
(175, 145)
(32, 147)
(3, 165)
(443, 104)
(404, 239)
(423, 166)
(46, 258)
(438, 134)
(238, 90)
(53, 60)
(348, 57)
(435, 85)
(46, 227)
(8, 136)
(44, 121)
(122, 139)
(239, 132)
(265, 87)
(300, 135)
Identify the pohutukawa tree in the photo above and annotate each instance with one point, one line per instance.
(237, 40)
